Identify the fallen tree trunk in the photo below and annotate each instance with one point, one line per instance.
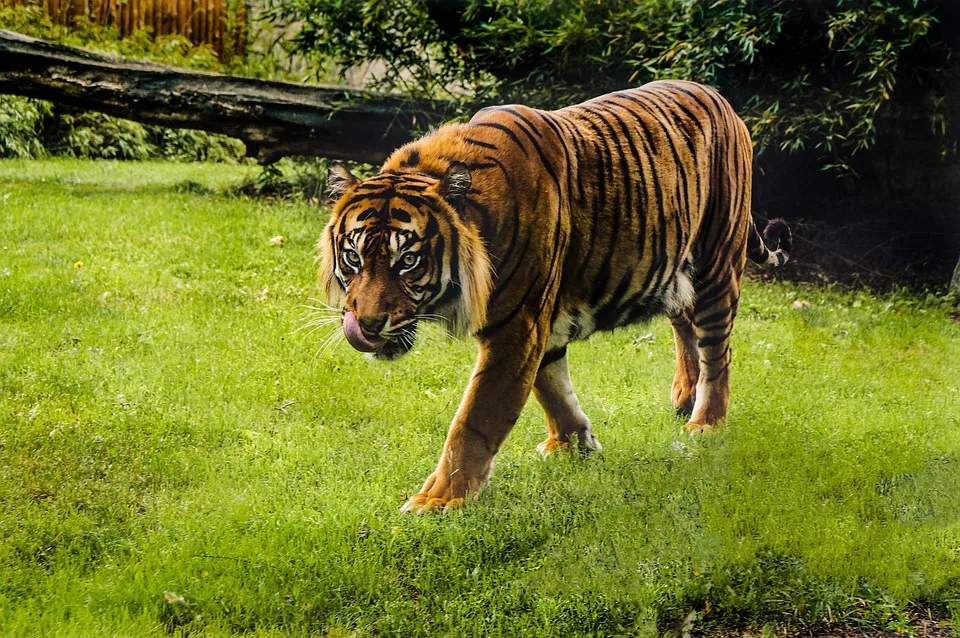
(272, 118)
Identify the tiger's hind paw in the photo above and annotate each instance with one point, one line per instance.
(551, 446)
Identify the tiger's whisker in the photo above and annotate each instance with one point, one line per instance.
(319, 310)
(309, 332)
(323, 304)
(314, 325)
(329, 342)
(320, 320)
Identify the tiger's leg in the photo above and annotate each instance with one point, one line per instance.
(565, 418)
(713, 315)
(499, 387)
(684, 390)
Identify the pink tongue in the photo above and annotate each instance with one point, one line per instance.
(351, 329)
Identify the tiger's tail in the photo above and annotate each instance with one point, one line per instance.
(774, 247)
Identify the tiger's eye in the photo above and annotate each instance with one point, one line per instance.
(409, 260)
(351, 257)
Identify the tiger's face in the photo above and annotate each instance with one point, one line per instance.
(396, 251)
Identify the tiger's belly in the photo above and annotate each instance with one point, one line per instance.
(576, 319)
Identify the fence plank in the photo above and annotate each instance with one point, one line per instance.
(201, 21)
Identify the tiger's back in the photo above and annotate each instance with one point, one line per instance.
(616, 192)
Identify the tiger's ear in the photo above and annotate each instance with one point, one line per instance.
(339, 179)
(454, 185)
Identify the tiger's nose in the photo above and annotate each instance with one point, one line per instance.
(372, 327)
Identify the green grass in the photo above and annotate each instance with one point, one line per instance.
(163, 428)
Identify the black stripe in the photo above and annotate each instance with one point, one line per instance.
(561, 138)
(492, 328)
(523, 118)
(553, 356)
(559, 244)
(636, 161)
(683, 188)
(718, 374)
(502, 282)
(599, 206)
(412, 159)
(515, 218)
(358, 197)
(483, 213)
(576, 136)
(650, 152)
(715, 340)
(691, 116)
(507, 130)
(709, 296)
(719, 357)
(486, 439)
(610, 145)
(606, 316)
(714, 318)
(542, 155)
(475, 142)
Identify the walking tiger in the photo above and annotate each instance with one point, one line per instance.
(529, 229)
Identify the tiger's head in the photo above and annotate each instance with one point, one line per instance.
(397, 250)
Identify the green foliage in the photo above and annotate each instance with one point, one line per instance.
(186, 145)
(417, 56)
(809, 75)
(177, 459)
(296, 178)
(21, 126)
(34, 128)
(95, 135)
(289, 178)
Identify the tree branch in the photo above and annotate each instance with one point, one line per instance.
(272, 118)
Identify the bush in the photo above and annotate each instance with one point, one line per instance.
(95, 135)
(297, 178)
(34, 128)
(186, 145)
(21, 126)
(856, 55)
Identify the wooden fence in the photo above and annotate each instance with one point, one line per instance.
(222, 24)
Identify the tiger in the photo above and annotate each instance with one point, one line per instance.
(531, 229)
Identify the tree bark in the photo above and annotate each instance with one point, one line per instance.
(272, 118)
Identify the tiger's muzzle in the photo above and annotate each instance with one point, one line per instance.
(362, 338)
(378, 338)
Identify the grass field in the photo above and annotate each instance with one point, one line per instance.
(176, 458)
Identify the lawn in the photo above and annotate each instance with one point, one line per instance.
(177, 457)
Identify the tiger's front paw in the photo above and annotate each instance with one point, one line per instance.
(700, 428)
(423, 503)
(443, 491)
(551, 446)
